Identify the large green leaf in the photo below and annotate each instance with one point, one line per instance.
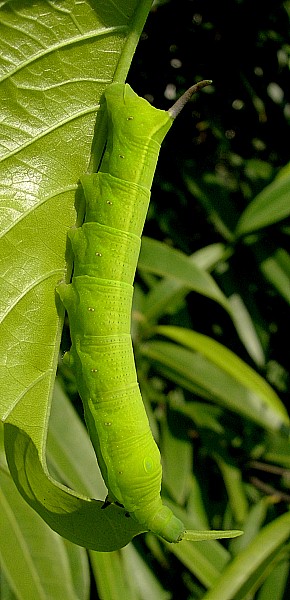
(57, 57)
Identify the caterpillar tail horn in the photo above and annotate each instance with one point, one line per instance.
(180, 103)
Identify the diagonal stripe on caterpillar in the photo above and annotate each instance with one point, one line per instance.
(99, 300)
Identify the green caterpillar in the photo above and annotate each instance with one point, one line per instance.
(99, 299)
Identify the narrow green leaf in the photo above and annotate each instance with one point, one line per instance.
(156, 257)
(6, 593)
(275, 585)
(125, 576)
(79, 569)
(232, 477)
(237, 579)
(167, 294)
(277, 451)
(195, 559)
(201, 376)
(276, 269)
(270, 206)
(111, 579)
(175, 479)
(145, 581)
(204, 415)
(195, 506)
(246, 330)
(31, 571)
(231, 364)
(252, 525)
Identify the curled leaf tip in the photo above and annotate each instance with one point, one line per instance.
(180, 103)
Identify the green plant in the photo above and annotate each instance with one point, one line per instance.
(218, 413)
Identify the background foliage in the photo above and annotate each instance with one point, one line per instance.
(225, 450)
